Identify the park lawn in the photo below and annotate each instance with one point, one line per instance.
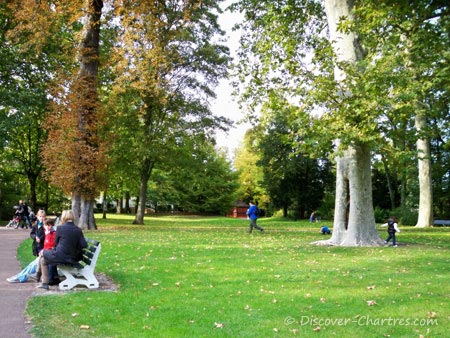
(207, 277)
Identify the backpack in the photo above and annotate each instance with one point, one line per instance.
(257, 211)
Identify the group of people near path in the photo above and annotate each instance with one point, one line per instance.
(63, 245)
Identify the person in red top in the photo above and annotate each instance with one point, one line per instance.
(50, 234)
(49, 244)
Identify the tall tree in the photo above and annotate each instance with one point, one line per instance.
(411, 39)
(73, 152)
(168, 61)
(354, 222)
(24, 78)
(73, 156)
(294, 180)
(286, 37)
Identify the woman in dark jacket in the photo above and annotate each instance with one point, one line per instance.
(69, 245)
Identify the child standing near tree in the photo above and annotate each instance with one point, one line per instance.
(392, 228)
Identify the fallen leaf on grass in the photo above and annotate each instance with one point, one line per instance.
(218, 325)
(431, 314)
(74, 314)
(84, 327)
(316, 329)
(371, 303)
(371, 287)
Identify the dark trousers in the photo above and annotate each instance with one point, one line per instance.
(391, 235)
(254, 225)
(52, 272)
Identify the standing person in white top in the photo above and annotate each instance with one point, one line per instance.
(392, 225)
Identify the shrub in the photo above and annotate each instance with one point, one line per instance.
(380, 215)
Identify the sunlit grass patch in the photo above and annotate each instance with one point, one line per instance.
(207, 277)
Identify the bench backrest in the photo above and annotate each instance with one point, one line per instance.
(91, 253)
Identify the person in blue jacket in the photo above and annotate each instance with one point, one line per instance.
(252, 214)
(325, 230)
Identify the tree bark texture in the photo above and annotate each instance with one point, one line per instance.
(425, 217)
(354, 222)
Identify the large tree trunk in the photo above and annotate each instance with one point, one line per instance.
(87, 84)
(425, 217)
(354, 222)
(87, 213)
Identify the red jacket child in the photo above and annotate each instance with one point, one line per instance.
(50, 235)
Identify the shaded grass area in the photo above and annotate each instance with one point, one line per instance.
(207, 277)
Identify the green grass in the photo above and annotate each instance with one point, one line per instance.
(206, 277)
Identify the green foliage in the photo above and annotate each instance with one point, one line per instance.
(294, 181)
(251, 176)
(208, 278)
(381, 215)
(406, 216)
(402, 73)
(206, 182)
(166, 60)
(326, 208)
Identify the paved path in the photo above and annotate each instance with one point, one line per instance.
(13, 297)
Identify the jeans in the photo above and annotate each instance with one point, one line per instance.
(391, 235)
(30, 269)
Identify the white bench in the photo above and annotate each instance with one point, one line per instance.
(82, 273)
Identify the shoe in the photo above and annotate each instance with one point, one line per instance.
(12, 280)
(54, 282)
(395, 245)
(42, 286)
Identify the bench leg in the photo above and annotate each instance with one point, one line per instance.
(76, 277)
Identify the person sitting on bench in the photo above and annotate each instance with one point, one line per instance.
(69, 245)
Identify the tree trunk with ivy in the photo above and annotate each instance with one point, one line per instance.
(83, 197)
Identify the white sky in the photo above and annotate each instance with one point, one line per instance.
(225, 104)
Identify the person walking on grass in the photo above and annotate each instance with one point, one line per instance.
(252, 215)
(392, 228)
